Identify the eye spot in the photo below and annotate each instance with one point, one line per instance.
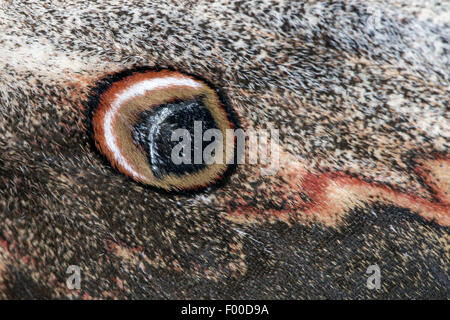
(136, 117)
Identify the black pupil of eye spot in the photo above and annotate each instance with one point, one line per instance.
(154, 131)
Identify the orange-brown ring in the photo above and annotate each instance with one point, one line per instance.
(127, 116)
